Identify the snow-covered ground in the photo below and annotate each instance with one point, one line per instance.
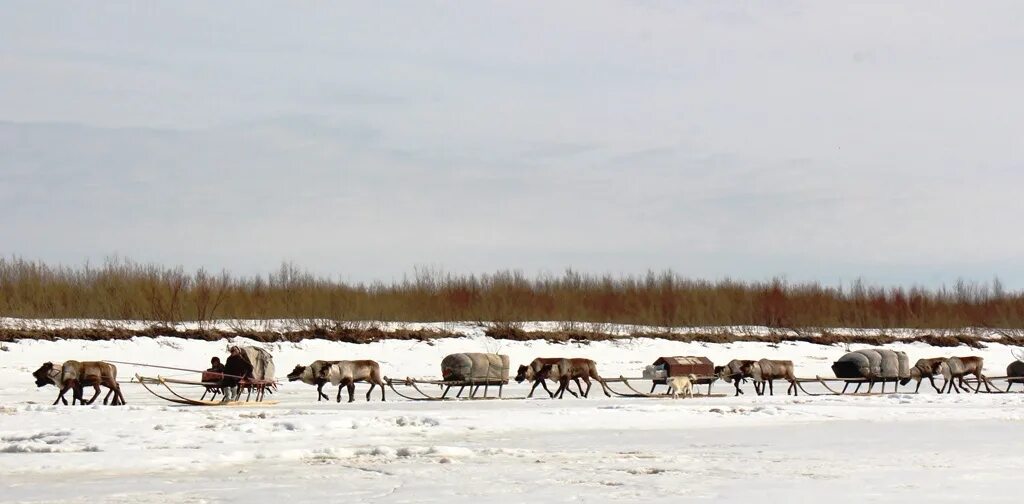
(728, 449)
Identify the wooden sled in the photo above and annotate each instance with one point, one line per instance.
(175, 397)
(633, 392)
(474, 389)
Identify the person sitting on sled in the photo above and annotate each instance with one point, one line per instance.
(212, 377)
(235, 369)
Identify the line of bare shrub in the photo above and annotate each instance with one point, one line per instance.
(500, 332)
(124, 290)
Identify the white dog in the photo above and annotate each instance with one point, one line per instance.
(684, 384)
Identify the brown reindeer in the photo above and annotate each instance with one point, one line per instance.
(767, 371)
(532, 370)
(930, 368)
(75, 375)
(959, 367)
(343, 373)
(571, 369)
(735, 371)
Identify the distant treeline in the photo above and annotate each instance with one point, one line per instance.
(124, 290)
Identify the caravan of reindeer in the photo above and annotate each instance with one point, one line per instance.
(251, 368)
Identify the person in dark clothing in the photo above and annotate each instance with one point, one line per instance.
(212, 378)
(236, 368)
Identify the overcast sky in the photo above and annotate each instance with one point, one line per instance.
(815, 140)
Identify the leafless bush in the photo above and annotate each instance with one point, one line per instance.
(123, 290)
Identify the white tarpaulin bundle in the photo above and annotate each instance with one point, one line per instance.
(873, 363)
(475, 367)
(261, 361)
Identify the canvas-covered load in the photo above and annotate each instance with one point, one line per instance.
(873, 363)
(475, 367)
(1015, 370)
(655, 372)
(261, 361)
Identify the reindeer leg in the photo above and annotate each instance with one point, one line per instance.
(96, 387)
(737, 383)
(110, 390)
(381, 384)
(76, 393)
(977, 385)
(60, 396)
(536, 383)
(351, 391)
(544, 383)
(587, 381)
(567, 389)
(771, 387)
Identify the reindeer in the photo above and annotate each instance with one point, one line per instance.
(529, 373)
(959, 367)
(571, 369)
(767, 370)
(75, 375)
(342, 373)
(735, 371)
(930, 368)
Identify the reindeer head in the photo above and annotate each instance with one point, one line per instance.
(521, 375)
(723, 373)
(44, 375)
(692, 377)
(296, 373)
(915, 374)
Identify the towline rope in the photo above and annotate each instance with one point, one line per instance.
(172, 368)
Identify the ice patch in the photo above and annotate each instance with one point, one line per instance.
(404, 421)
(42, 442)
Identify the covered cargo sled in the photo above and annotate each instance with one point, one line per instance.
(473, 370)
(667, 367)
(871, 366)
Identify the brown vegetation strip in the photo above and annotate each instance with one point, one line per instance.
(372, 335)
(123, 290)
